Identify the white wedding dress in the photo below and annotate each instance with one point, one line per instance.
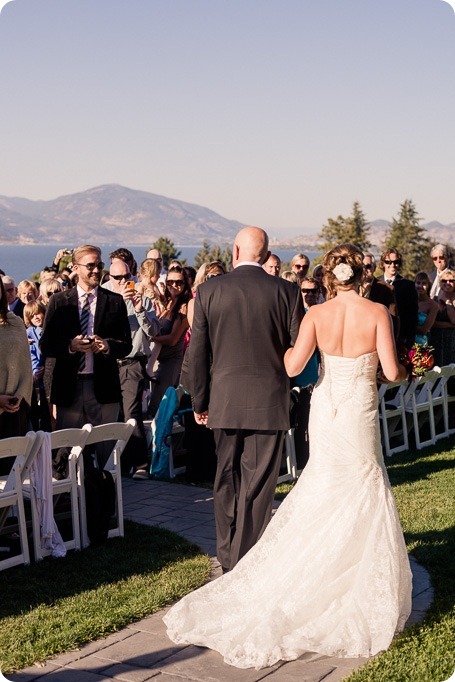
(331, 573)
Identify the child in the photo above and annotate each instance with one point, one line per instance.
(34, 317)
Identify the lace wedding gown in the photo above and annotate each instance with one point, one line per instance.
(330, 573)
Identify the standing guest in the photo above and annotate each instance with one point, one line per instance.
(27, 291)
(143, 325)
(272, 265)
(440, 256)
(442, 334)
(318, 275)
(289, 276)
(405, 295)
(190, 274)
(310, 292)
(47, 273)
(173, 325)
(34, 313)
(127, 257)
(48, 288)
(300, 265)
(428, 309)
(15, 305)
(243, 324)
(149, 272)
(156, 255)
(378, 291)
(86, 330)
(16, 381)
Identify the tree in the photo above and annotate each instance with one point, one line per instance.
(208, 253)
(408, 237)
(351, 230)
(167, 249)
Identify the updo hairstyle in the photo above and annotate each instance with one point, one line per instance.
(346, 254)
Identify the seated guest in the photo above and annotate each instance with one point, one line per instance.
(440, 256)
(405, 295)
(16, 381)
(34, 313)
(428, 309)
(27, 291)
(15, 305)
(272, 265)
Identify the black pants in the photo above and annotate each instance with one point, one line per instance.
(132, 384)
(247, 471)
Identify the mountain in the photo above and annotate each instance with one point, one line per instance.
(437, 232)
(107, 214)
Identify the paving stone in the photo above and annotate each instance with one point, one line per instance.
(204, 665)
(128, 673)
(95, 663)
(142, 649)
(33, 672)
(68, 675)
(423, 601)
(153, 624)
(303, 671)
(91, 647)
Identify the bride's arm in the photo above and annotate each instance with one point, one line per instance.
(297, 357)
(386, 348)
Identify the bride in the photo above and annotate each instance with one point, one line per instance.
(331, 573)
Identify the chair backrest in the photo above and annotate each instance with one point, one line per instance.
(69, 438)
(118, 432)
(20, 447)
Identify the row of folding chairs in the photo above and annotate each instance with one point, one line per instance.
(21, 483)
(423, 408)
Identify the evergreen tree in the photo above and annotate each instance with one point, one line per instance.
(208, 253)
(351, 230)
(203, 255)
(408, 237)
(167, 249)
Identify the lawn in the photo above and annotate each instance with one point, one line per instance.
(60, 604)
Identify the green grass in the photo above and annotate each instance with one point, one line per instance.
(424, 484)
(60, 604)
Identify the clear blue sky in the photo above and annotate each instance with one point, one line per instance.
(279, 113)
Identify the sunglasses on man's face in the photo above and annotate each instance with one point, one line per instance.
(397, 263)
(175, 268)
(92, 266)
(119, 278)
(308, 291)
(368, 266)
(175, 282)
(439, 258)
(299, 267)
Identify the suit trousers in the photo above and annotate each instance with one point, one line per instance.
(85, 409)
(248, 464)
(132, 384)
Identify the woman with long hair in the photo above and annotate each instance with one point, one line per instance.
(428, 309)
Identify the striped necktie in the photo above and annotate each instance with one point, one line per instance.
(85, 314)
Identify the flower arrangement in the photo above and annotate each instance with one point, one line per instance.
(343, 272)
(417, 359)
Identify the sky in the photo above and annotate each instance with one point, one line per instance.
(278, 113)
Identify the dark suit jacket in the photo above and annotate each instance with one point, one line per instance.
(383, 293)
(19, 308)
(407, 306)
(243, 324)
(62, 324)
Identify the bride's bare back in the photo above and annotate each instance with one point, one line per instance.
(346, 326)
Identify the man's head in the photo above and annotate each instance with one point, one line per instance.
(300, 264)
(155, 255)
(440, 257)
(126, 256)
(310, 291)
(272, 265)
(27, 291)
(369, 267)
(391, 262)
(119, 273)
(10, 289)
(250, 245)
(88, 266)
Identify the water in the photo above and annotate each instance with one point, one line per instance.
(21, 262)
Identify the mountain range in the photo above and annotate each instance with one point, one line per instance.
(112, 214)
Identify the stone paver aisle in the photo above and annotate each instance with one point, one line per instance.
(143, 652)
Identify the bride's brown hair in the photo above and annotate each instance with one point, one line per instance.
(344, 253)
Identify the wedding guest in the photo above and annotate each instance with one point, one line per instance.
(16, 380)
(440, 256)
(405, 295)
(15, 305)
(300, 265)
(27, 291)
(318, 275)
(190, 274)
(310, 292)
(34, 313)
(378, 291)
(290, 276)
(127, 257)
(48, 288)
(428, 309)
(272, 265)
(442, 334)
(149, 272)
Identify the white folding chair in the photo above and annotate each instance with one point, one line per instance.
(419, 402)
(392, 415)
(11, 493)
(74, 440)
(120, 434)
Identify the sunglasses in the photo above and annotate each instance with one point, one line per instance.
(369, 266)
(299, 267)
(439, 258)
(308, 291)
(176, 282)
(92, 266)
(447, 281)
(397, 263)
(175, 268)
(118, 278)
(214, 274)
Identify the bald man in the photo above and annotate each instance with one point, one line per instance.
(243, 324)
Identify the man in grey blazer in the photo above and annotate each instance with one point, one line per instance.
(243, 323)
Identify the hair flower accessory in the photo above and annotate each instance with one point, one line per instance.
(343, 272)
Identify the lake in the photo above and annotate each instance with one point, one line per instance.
(20, 262)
